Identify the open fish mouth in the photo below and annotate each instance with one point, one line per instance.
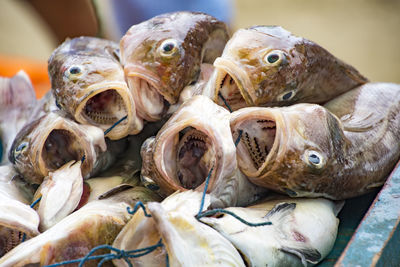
(188, 156)
(195, 155)
(228, 88)
(259, 140)
(105, 108)
(151, 105)
(9, 238)
(61, 146)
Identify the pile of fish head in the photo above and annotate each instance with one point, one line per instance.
(193, 144)
(302, 233)
(97, 223)
(16, 216)
(295, 150)
(51, 141)
(163, 55)
(17, 100)
(88, 82)
(269, 66)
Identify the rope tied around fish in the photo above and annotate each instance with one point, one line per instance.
(127, 254)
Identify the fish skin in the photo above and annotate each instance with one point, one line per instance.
(175, 215)
(16, 216)
(302, 233)
(96, 223)
(17, 100)
(302, 67)
(196, 38)
(163, 164)
(99, 71)
(27, 150)
(338, 151)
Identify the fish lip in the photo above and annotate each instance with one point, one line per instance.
(225, 66)
(167, 135)
(279, 147)
(133, 124)
(59, 124)
(138, 71)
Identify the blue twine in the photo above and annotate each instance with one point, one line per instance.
(215, 211)
(138, 205)
(32, 206)
(239, 137)
(204, 192)
(115, 124)
(225, 102)
(120, 254)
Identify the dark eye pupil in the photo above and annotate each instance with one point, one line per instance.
(168, 47)
(20, 147)
(273, 58)
(74, 70)
(314, 159)
(287, 96)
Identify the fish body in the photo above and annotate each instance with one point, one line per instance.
(88, 83)
(97, 223)
(16, 216)
(49, 142)
(193, 144)
(17, 100)
(173, 220)
(302, 233)
(163, 55)
(338, 151)
(269, 66)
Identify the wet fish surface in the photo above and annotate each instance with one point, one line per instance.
(302, 233)
(269, 66)
(88, 83)
(49, 142)
(341, 150)
(163, 55)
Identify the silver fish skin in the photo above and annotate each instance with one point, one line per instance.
(302, 233)
(17, 100)
(16, 216)
(97, 223)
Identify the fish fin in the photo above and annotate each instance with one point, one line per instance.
(338, 205)
(305, 253)
(115, 190)
(279, 211)
(16, 91)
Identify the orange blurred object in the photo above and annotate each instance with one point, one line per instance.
(37, 71)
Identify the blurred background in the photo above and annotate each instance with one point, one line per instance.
(363, 33)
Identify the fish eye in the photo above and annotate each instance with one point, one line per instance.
(168, 47)
(275, 57)
(74, 72)
(314, 159)
(21, 148)
(287, 95)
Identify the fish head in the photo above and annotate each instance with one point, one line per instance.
(88, 82)
(51, 141)
(163, 55)
(193, 144)
(292, 149)
(259, 67)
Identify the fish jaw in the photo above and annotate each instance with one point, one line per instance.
(181, 233)
(45, 139)
(104, 104)
(262, 142)
(145, 87)
(194, 140)
(232, 82)
(61, 193)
